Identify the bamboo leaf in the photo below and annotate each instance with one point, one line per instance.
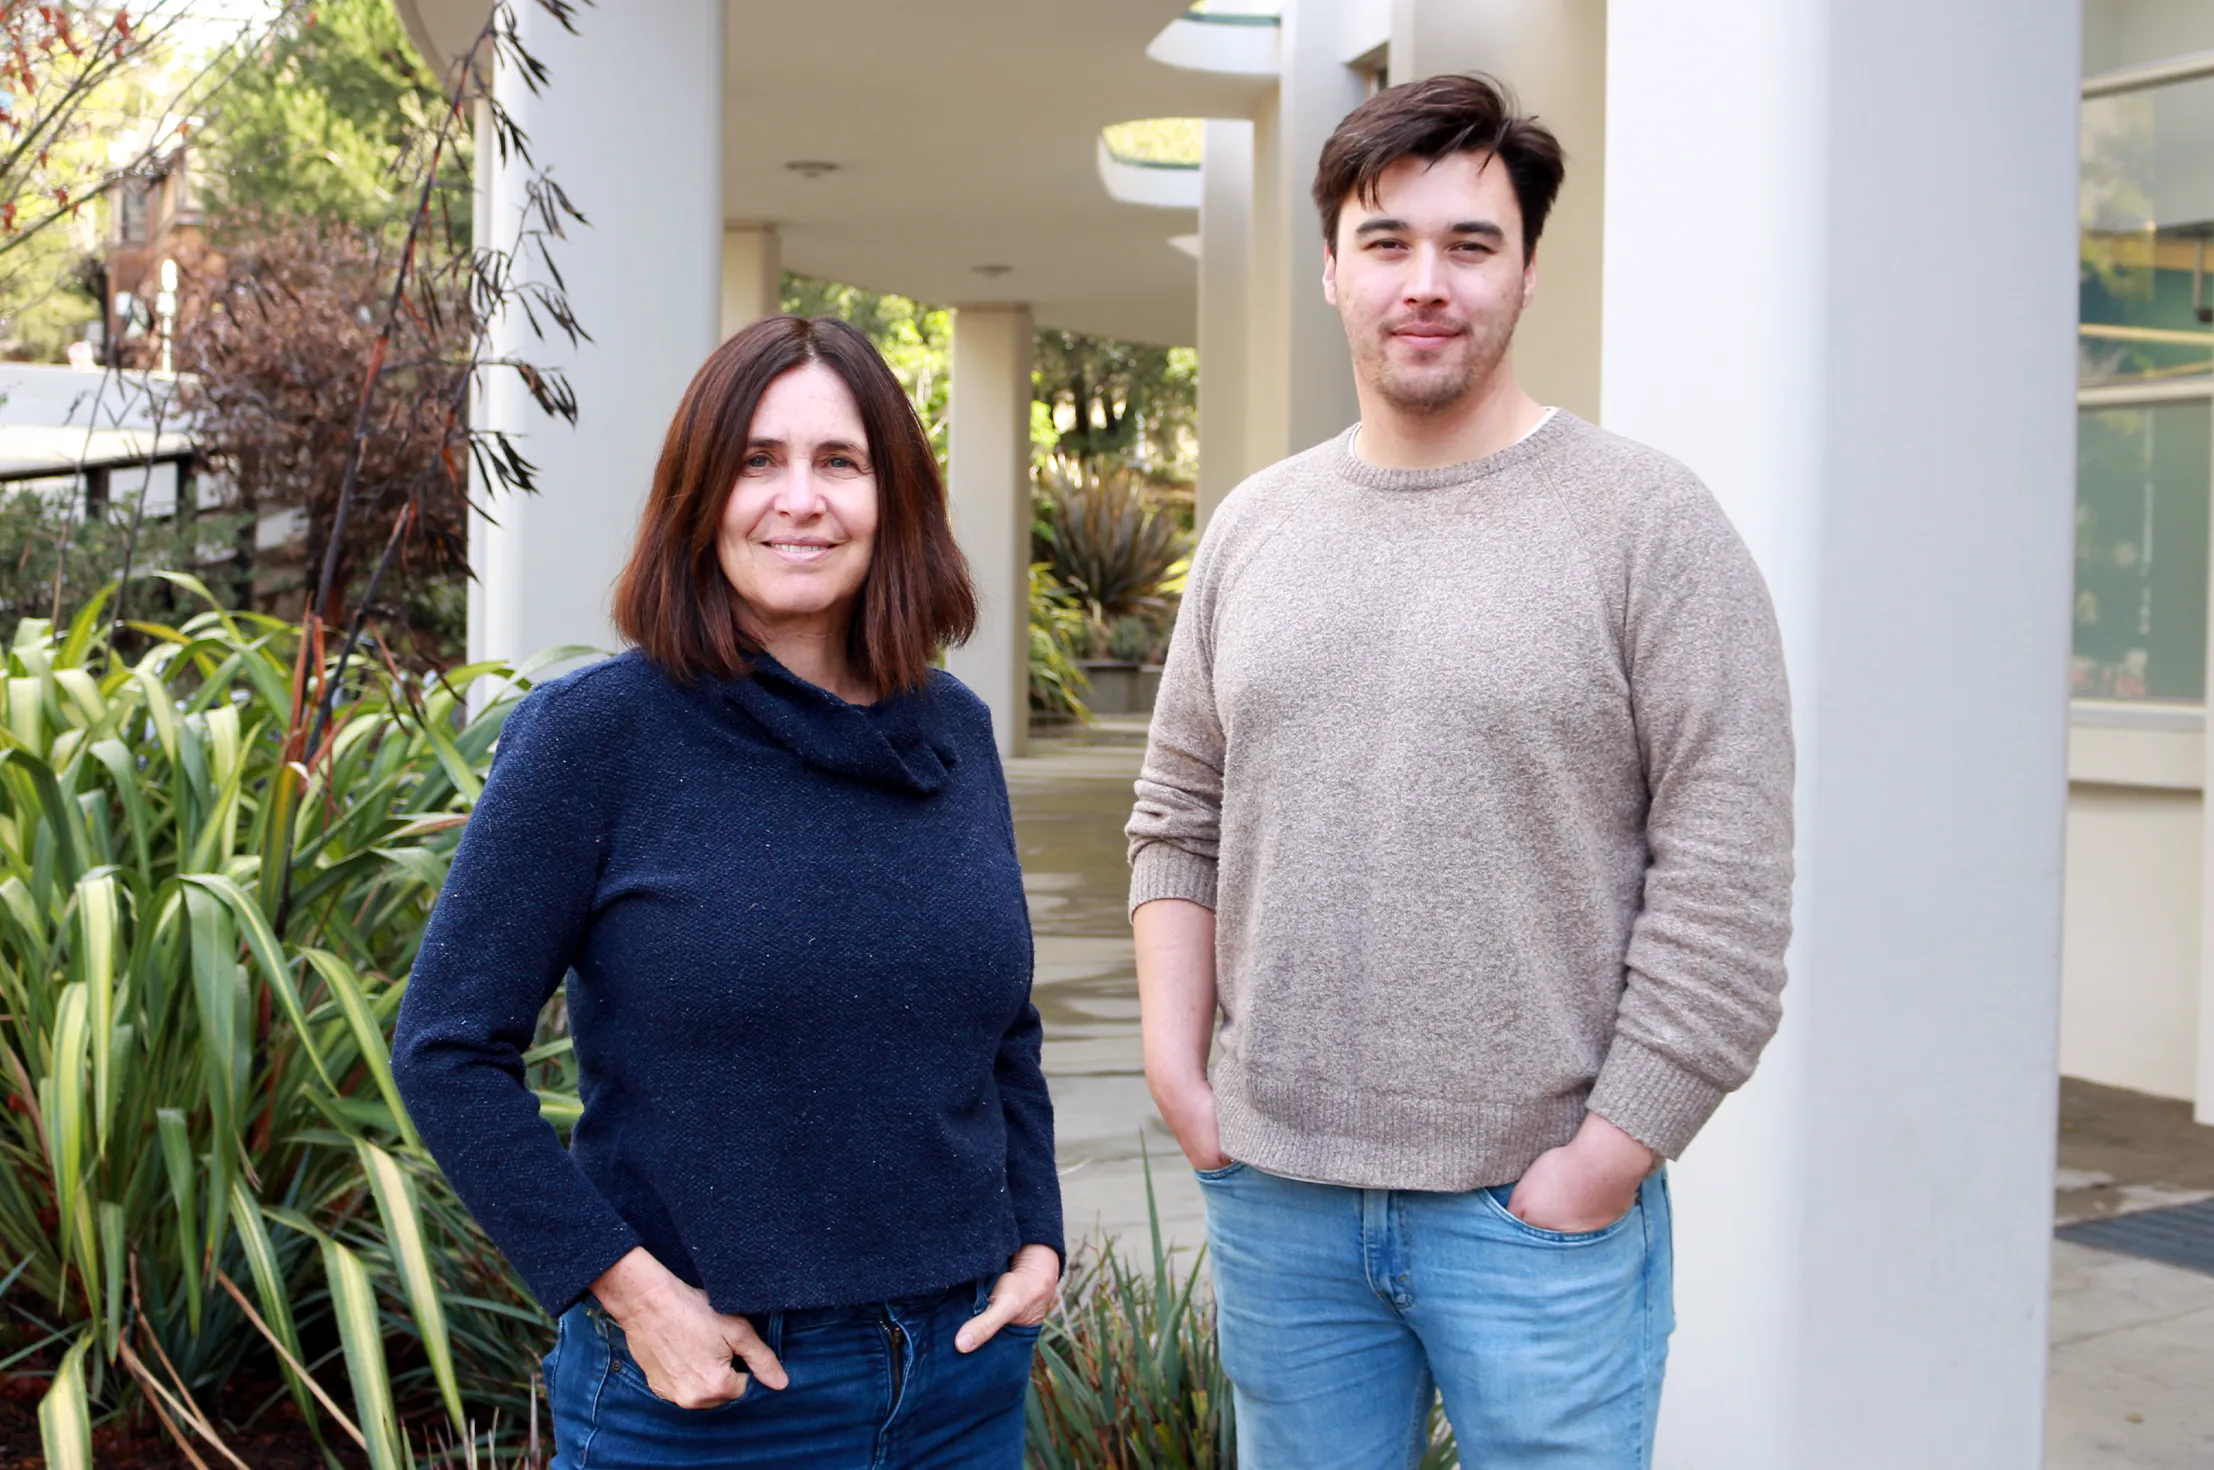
(354, 1303)
(403, 1228)
(99, 921)
(184, 1196)
(368, 1035)
(65, 1414)
(276, 1305)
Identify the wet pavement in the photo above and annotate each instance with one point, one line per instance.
(1071, 797)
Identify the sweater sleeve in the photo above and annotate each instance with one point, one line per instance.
(1713, 712)
(506, 927)
(1026, 1107)
(1175, 829)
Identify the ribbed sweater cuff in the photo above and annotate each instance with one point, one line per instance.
(1164, 870)
(1654, 1100)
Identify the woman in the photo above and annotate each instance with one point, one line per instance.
(809, 1216)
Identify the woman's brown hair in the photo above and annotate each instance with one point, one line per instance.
(673, 600)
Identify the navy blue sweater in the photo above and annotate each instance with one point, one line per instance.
(800, 993)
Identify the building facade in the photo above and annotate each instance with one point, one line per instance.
(1825, 253)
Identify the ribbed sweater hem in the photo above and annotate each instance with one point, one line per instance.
(1164, 870)
(1327, 1133)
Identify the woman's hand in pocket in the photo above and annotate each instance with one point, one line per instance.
(1022, 1296)
(688, 1351)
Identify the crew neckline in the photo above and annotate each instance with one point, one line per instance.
(1541, 436)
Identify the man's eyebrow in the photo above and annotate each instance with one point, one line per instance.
(1386, 225)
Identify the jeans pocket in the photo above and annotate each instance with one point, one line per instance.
(633, 1377)
(1496, 1196)
(1217, 1176)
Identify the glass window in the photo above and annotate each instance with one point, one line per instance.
(2143, 477)
(2147, 211)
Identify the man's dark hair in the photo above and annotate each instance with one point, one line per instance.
(1433, 119)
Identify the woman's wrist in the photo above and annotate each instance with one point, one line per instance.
(626, 1287)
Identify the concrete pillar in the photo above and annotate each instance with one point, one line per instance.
(1864, 1233)
(988, 469)
(632, 103)
(1554, 56)
(753, 275)
(1269, 247)
(1225, 273)
(1301, 374)
(480, 528)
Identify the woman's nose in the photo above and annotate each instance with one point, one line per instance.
(798, 496)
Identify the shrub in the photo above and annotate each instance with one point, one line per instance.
(1115, 553)
(1128, 1377)
(204, 1166)
(1057, 625)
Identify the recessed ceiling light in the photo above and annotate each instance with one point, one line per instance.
(993, 270)
(812, 168)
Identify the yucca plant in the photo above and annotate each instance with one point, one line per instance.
(1128, 1376)
(203, 1160)
(1112, 550)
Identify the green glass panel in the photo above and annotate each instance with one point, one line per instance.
(2142, 482)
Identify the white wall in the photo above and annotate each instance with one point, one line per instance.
(2129, 1012)
(1554, 57)
(631, 125)
(1799, 292)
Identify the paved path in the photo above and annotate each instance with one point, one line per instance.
(2132, 1376)
(1071, 799)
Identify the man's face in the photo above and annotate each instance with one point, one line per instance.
(1430, 279)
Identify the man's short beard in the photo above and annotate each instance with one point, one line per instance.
(1440, 393)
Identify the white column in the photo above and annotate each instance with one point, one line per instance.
(1302, 377)
(1864, 1234)
(1269, 246)
(1553, 55)
(1225, 271)
(632, 109)
(988, 467)
(753, 275)
(480, 529)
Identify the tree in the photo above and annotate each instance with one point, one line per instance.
(1120, 405)
(321, 125)
(277, 362)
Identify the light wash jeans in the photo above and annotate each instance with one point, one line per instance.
(1341, 1309)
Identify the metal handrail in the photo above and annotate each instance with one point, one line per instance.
(1230, 18)
(2165, 73)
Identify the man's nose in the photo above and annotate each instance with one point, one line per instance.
(1425, 276)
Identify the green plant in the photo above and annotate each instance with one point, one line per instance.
(1132, 639)
(1057, 682)
(1128, 1376)
(204, 1164)
(1110, 548)
(1127, 1373)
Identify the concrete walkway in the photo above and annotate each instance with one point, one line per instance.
(2132, 1371)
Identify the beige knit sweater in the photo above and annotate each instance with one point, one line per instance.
(1486, 771)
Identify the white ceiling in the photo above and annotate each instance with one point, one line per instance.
(965, 133)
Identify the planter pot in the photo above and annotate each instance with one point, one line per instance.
(1120, 688)
(1114, 686)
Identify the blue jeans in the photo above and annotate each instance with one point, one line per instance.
(875, 1386)
(1342, 1309)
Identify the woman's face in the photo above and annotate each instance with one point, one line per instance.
(797, 533)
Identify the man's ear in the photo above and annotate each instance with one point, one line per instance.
(1529, 283)
(1329, 273)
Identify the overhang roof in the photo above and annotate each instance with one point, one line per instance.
(966, 134)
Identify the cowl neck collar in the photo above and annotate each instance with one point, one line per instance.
(900, 741)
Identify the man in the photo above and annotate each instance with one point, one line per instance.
(1467, 804)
